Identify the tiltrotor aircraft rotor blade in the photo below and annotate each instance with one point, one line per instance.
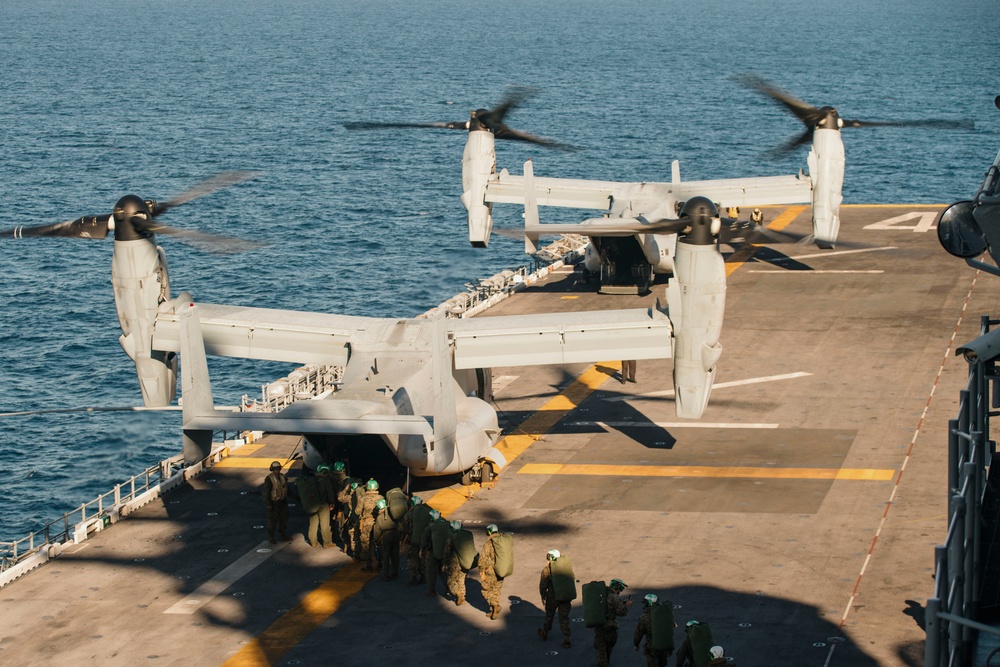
(827, 117)
(134, 217)
(211, 184)
(86, 227)
(488, 119)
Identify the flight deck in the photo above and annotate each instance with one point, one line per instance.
(798, 517)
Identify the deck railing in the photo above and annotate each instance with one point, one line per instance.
(950, 617)
(95, 514)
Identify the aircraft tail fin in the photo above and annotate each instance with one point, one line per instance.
(196, 386)
(530, 209)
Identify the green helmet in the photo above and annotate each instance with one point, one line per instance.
(417, 500)
(456, 526)
(372, 485)
(339, 466)
(553, 554)
(618, 584)
(651, 600)
(380, 505)
(323, 469)
(354, 485)
(492, 528)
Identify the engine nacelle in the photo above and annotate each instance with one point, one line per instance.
(426, 457)
(659, 250)
(479, 163)
(697, 304)
(826, 169)
(141, 284)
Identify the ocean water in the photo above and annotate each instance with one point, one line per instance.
(108, 97)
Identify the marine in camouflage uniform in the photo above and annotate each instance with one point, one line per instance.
(337, 478)
(414, 563)
(492, 585)
(432, 566)
(366, 521)
(548, 594)
(455, 576)
(275, 494)
(645, 629)
(348, 519)
(386, 535)
(606, 636)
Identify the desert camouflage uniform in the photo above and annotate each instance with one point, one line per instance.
(548, 594)
(336, 479)
(453, 569)
(348, 522)
(488, 577)
(366, 521)
(645, 629)
(606, 636)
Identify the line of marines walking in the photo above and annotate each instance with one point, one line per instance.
(373, 528)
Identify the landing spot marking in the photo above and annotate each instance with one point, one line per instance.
(502, 382)
(718, 385)
(718, 472)
(251, 462)
(638, 424)
(837, 253)
(812, 272)
(226, 578)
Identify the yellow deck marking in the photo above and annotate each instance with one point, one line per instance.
(746, 251)
(247, 450)
(285, 633)
(732, 472)
(254, 462)
(570, 297)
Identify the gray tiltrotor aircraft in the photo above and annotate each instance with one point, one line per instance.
(420, 384)
(636, 235)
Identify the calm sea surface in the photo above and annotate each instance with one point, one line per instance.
(102, 98)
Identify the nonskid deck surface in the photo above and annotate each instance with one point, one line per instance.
(798, 517)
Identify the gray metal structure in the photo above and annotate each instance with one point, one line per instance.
(951, 614)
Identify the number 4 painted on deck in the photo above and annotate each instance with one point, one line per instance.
(925, 222)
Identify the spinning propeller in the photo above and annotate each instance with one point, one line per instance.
(134, 218)
(828, 118)
(479, 119)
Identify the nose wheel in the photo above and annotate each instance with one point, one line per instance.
(481, 473)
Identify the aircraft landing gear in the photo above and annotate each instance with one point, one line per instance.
(482, 473)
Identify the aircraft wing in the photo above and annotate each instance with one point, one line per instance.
(266, 333)
(560, 338)
(638, 197)
(513, 340)
(761, 191)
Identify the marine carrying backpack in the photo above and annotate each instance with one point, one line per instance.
(595, 604)
(309, 494)
(503, 547)
(563, 580)
(421, 519)
(383, 525)
(395, 499)
(465, 549)
(701, 644)
(439, 535)
(661, 630)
